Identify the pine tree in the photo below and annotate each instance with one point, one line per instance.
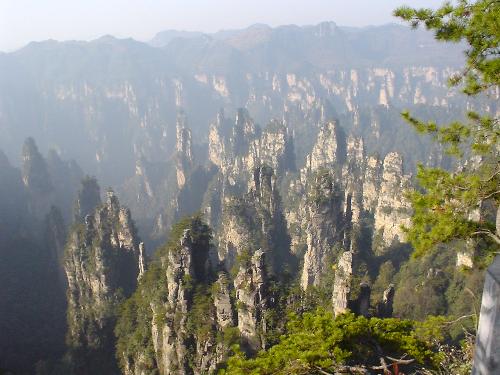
(463, 204)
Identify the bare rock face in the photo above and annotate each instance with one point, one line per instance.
(184, 152)
(55, 237)
(273, 148)
(328, 150)
(36, 179)
(255, 221)
(89, 197)
(352, 177)
(174, 335)
(102, 266)
(325, 230)
(392, 210)
(216, 147)
(342, 283)
(186, 309)
(238, 149)
(251, 296)
(371, 183)
(223, 303)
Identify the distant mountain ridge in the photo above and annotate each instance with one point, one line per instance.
(323, 45)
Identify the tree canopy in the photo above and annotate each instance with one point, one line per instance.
(316, 343)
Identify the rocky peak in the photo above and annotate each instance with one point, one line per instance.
(329, 149)
(371, 182)
(34, 168)
(244, 132)
(183, 137)
(325, 229)
(276, 147)
(263, 184)
(355, 150)
(187, 305)
(255, 221)
(112, 203)
(102, 265)
(37, 180)
(216, 146)
(184, 152)
(393, 209)
(88, 198)
(251, 294)
(342, 283)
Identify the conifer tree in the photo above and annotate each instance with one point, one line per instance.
(464, 203)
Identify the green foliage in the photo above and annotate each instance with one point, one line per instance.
(148, 305)
(200, 322)
(432, 285)
(317, 341)
(386, 274)
(445, 202)
(442, 210)
(477, 23)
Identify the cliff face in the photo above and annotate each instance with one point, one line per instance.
(87, 200)
(251, 295)
(325, 229)
(254, 222)
(203, 293)
(184, 150)
(102, 267)
(392, 209)
(48, 181)
(182, 313)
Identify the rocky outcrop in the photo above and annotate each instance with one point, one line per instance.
(88, 198)
(324, 231)
(102, 266)
(223, 303)
(393, 209)
(251, 297)
(273, 148)
(185, 310)
(329, 149)
(36, 179)
(216, 145)
(180, 273)
(342, 283)
(184, 152)
(55, 237)
(371, 183)
(255, 221)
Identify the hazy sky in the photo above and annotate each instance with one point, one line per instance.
(22, 21)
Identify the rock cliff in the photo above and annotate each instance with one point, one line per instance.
(182, 318)
(102, 267)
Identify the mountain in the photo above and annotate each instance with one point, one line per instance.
(267, 166)
(112, 104)
(35, 208)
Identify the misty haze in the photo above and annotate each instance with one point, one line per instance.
(297, 196)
